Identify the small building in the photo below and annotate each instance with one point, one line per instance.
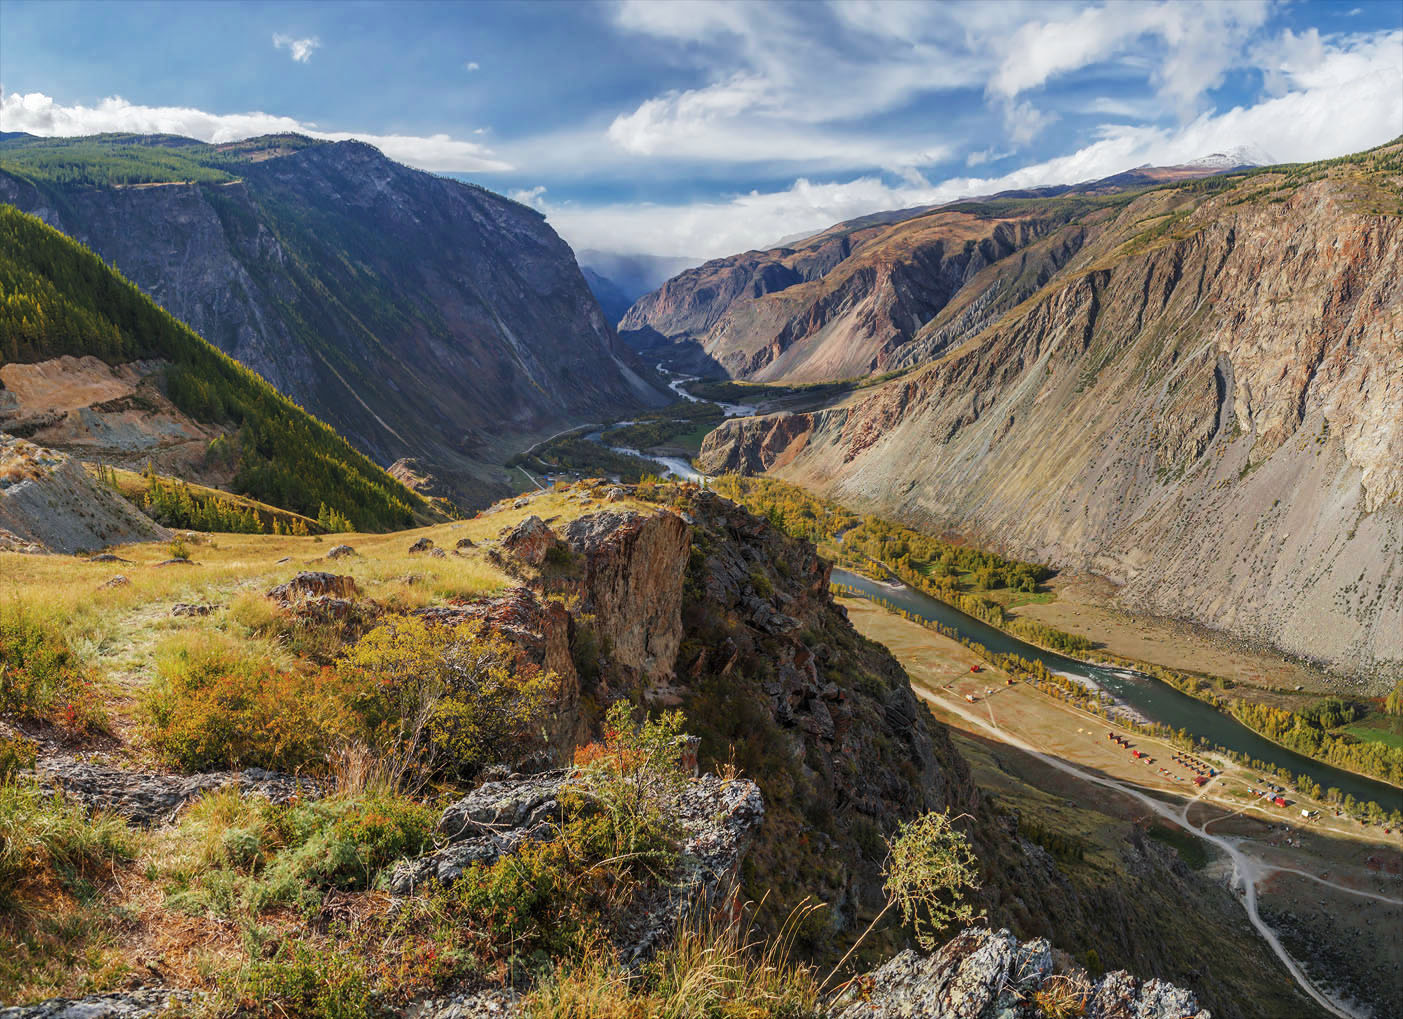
(1200, 781)
(1280, 801)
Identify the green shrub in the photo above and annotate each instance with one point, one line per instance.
(930, 869)
(456, 697)
(303, 981)
(213, 706)
(623, 787)
(246, 855)
(40, 675)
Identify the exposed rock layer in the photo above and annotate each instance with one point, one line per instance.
(1211, 420)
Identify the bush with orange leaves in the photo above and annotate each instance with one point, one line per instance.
(622, 787)
(213, 705)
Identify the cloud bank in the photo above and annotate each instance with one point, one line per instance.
(39, 114)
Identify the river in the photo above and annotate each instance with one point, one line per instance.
(674, 466)
(1152, 698)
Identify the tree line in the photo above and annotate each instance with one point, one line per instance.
(57, 297)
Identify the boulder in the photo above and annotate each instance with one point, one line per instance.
(148, 798)
(191, 609)
(147, 1003)
(420, 546)
(341, 552)
(314, 584)
(982, 973)
(117, 581)
(530, 541)
(718, 819)
(465, 543)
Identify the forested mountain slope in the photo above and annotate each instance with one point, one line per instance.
(418, 315)
(1203, 405)
(69, 322)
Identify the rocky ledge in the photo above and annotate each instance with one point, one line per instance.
(718, 818)
(983, 974)
(149, 798)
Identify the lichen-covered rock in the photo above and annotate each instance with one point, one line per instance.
(148, 1003)
(530, 541)
(464, 543)
(191, 609)
(117, 581)
(341, 552)
(477, 1005)
(420, 546)
(718, 819)
(148, 798)
(983, 974)
(489, 822)
(314, 584)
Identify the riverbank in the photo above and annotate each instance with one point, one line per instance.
(1156, 700)
(1017, 737)
(1085, 604)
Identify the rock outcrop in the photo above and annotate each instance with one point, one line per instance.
(982, 974)
(148, 798)
(718, 819)
(49, 500)
(632, 585)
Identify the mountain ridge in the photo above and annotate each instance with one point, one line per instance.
(421, 316)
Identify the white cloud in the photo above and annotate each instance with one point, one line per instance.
(1202, 40)
(300, 49)
(472, 65)
(1361, 74)
(39, 114)
(530, 196)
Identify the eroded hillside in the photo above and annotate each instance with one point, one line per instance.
(1202, 406)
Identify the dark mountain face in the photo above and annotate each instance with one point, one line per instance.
(420, 316)
(612, 300)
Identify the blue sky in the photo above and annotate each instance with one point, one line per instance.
(705, 128)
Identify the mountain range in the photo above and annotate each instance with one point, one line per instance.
(1191, 389)
(420, 316)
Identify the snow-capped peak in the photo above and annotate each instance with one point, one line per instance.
(1242, 155)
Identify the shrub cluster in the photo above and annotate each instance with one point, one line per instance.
(41, 677)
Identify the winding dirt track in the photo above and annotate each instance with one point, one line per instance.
(1246, 872)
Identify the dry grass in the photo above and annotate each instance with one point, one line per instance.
(712, 970)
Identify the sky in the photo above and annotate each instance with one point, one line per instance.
(705, 128)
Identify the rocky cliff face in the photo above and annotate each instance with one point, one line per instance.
(843, 304)
(418, 315)
(877, 293)
(1205, 412)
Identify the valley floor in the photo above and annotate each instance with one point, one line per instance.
(1326, 887)
(1085, 605)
